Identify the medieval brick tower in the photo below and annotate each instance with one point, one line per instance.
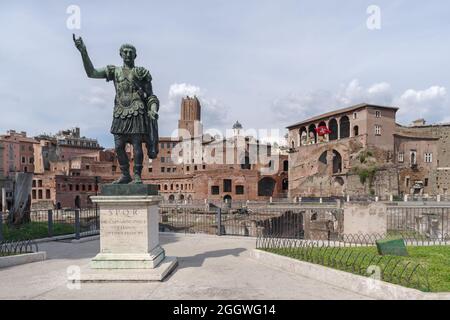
(190, 117)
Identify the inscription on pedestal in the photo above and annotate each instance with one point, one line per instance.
(123, 223)
(124, 230)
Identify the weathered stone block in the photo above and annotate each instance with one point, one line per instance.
(367, 219)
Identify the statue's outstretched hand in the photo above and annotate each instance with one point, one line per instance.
(79, 43)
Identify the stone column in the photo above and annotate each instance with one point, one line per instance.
(338, 128)
(4, 208)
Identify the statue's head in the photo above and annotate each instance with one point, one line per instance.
(128, 52)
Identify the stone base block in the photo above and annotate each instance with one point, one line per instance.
(128, 260)
(129, 275)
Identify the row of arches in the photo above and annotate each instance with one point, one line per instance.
(181, 197)
(339, 130)
(171, 187)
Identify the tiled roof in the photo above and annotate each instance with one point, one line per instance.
(339, 111)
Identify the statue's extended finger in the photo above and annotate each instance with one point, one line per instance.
(73, 35)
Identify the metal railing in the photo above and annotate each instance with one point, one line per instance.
(187, 219)
(413, 224)
(234, 204)
(429, 222)
(363, 240)
(52, 223)
(347, 257)
(424, 224)
(241, 221)
(17, 247)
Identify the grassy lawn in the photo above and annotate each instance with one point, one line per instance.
(36, 230)
(399, 270)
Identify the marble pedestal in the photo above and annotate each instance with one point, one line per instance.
(129, 236)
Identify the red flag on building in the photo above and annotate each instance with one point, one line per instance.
(323, 130)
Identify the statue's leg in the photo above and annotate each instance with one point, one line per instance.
(120, 142)
(138, 158)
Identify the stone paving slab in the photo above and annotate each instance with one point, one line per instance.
(209, 267)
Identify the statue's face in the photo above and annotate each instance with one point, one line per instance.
(128, 55)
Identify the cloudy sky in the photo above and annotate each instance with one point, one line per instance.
(265, 63)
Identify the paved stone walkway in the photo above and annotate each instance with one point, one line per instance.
(209, 268)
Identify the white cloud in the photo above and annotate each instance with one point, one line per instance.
(98, 97)
(425, 96)
(180, 90)
(214, 112)
(379, 88)
(297, 107)
(432, 104)
(354, 93)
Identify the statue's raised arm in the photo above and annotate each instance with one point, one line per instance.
(88, 66)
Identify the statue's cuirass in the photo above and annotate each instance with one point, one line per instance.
(128, 102)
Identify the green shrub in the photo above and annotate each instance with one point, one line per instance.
(366, 174)
(36, 230)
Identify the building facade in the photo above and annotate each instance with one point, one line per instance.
(422, 158)
(16, 156)
(194, 166)
(69, 169)
(18, 153)
(361, 150)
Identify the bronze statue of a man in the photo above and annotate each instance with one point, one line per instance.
(135, 116)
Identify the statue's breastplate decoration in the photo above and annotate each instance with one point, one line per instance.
(128, 102)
